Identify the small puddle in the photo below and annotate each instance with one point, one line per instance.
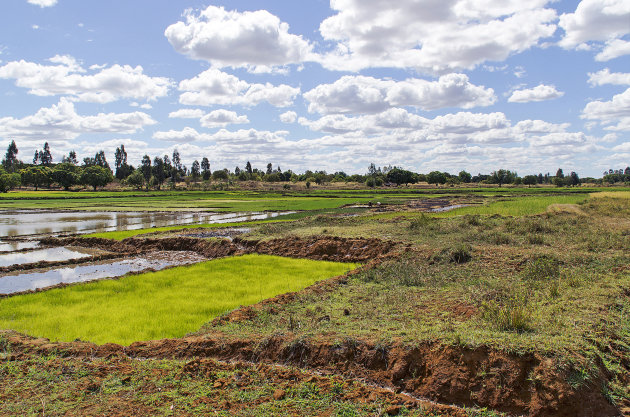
(448, 208)
(14, 283)
(13, 246)
(49, 255)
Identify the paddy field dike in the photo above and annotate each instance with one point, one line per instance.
(362, 302)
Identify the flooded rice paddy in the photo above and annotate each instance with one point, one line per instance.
(27, 281)
(16, 223)
(15, 245)
(48, 255)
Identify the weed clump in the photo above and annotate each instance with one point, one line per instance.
(458, 254)
(419, 223)
(542, 268)
(511, 314)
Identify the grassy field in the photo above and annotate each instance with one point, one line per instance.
(157, 305)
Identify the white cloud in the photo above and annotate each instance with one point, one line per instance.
(232, 141)
(187, 114)
(613, 49)
(614, 114)
(214, 87)
(360, 94)
(222, 118)
(432, 36)
(61, 122)
(606, 77)
(257, 40)
(68, 78)
(541, 92)
(624, 147)
(288, 117)
(43, 3)
(595, 20)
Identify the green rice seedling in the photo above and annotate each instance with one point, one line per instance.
(168, 303)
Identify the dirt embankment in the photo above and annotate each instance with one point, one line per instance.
(523, 385)
(315, 247)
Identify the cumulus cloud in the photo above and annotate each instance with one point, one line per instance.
(613, 49)
(606, 77)
(214, 87)
(432, 36)
(541, 92)
(360, 94)
(222, 118)
(61, 122)
(187, 114)
(595, 20)
(234, 140)
(288, 117)
(69, 78)
(43, 3)
(257, 40)
(613, 114)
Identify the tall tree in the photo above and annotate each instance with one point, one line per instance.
(194, 170)
(122, 168)
(177, 167)
(158, 171)
(559, 173)
(10, 162)
(36, 158)
(45, 158)
(205, 169)
(70, 159)
(269, 169)
(248, 168)
(100, 160)
(146, 169)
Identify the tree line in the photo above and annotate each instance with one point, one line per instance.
(156, 172)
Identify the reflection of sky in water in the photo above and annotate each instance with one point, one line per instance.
(21, 223)
(50, 255)
(81, 273)
(13, 246)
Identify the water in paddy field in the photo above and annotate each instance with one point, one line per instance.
(19, 282)
(49, 255)
(45, 222)
(14, 245)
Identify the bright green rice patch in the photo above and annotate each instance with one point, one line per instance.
(520, 206)
(161, 304)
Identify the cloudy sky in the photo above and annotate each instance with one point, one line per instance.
(322, 84)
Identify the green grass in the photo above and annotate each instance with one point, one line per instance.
(161, 304)
(519, 206)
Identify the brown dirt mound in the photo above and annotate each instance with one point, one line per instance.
(525, 385)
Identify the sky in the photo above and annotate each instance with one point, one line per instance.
(448, 85)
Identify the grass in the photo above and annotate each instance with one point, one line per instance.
(519, 206)
(161, 304)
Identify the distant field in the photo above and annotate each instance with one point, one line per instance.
(161, 304)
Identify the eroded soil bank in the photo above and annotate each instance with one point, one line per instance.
(326, 248)
(522, 385)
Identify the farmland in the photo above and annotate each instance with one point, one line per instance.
(514, 301)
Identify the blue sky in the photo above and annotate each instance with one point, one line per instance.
(336, 85)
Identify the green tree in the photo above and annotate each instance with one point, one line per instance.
(158, 171)
(205, 169)
(123, 170)
(400, 176)
(530, 179)
(96, 176)
(8, 180)
(71, 158)
(135, 179)
(502, 176)
(10, 162)
(36, 176)
(66, 175)
(195, 170)
(45, 157)
(146, 169)
(248, 168)
(465, 177)
(436, 177)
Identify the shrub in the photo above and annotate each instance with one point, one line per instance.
(542, 268)
(419, 222)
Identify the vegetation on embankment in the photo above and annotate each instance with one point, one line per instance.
(162, 304)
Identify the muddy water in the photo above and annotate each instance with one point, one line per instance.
(49, 255)
(36, 222)
(19, 282)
